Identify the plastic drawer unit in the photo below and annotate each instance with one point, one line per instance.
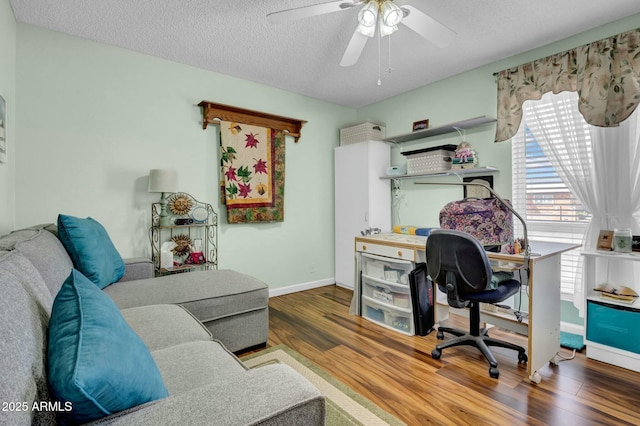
(394, 271)
(614, 325)
(386, 298)
(388, 316)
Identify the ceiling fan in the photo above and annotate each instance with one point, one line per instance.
(376, 16)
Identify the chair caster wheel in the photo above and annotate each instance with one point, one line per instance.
(435, 354)
(493, 372)
(440, 335)
(523, 358)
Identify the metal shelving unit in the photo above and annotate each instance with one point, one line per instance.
(204, 229)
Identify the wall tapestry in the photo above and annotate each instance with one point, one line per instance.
(252, 161)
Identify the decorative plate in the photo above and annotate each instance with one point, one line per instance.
(199, 214)
(183, 245)
(180, 203)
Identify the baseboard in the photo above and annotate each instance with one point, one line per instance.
(280, 291)
(572, 328)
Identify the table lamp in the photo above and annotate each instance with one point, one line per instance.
(163, 181)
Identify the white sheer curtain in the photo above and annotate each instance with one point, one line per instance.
(601, 166)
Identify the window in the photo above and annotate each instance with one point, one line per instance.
(541, 197)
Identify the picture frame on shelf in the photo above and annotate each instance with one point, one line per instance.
(420, 125)
(605, 240)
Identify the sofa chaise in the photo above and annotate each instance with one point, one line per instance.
(190, 324)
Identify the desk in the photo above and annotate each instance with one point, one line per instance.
(543, 324)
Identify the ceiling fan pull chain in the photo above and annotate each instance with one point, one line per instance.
(389, 61)
(379, 57)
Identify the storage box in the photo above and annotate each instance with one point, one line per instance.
(387, 270)
(430, 160)
(362, 132)
(387, 293)
(396, 319)
(614, 325)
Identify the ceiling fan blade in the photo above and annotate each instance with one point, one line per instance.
(354, 49)
(313, 10)
(432, 30)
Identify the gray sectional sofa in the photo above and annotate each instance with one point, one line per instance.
(191, 324)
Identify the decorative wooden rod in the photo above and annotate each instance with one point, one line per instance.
(212, 113)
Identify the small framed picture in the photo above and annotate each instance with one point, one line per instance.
(420, 125)
(605, 240)
(635, 243)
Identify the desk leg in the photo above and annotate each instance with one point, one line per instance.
(544, 314)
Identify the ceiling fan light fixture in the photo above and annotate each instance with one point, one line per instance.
(368, 31)
(391, 13)
(368, 15)
(386, 30)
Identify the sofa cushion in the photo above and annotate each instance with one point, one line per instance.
(208, 295)
(160, 326)
(91, 249)
(23, 331)
(45, 251)
(95, 360)
(194, 364)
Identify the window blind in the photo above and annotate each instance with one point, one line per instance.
(551, 211)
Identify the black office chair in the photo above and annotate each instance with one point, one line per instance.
(458, 264)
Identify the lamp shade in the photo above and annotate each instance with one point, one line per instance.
(391, 14)
(368, 15)
(163, 180)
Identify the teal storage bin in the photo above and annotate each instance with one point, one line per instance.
(614, 325)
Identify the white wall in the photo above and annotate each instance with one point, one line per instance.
(7, 91)
(93, 119)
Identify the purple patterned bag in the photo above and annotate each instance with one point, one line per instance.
(487, 219)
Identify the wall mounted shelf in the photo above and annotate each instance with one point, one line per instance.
(212, 113)
(487, 169)
(441, 130)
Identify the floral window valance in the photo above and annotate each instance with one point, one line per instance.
(605, 73)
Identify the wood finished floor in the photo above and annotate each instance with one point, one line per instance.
(397, 372)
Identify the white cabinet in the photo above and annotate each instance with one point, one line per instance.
(362, 200)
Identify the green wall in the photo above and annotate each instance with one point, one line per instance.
(93, 119)
(463, 96)
(7, 91)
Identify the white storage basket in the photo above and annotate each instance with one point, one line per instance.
(362, 132)
(430, 160)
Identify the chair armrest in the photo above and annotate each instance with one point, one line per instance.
(269, 395)
(137, 268)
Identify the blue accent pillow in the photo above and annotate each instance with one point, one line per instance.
(91, 249)
(95, 360)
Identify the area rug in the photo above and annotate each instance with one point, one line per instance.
(344, 406)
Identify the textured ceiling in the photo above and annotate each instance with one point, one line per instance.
(233, 37)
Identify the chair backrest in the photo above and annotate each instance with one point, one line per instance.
(458, 264)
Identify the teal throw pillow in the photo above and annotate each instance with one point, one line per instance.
(95, 361)
(91, 249)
